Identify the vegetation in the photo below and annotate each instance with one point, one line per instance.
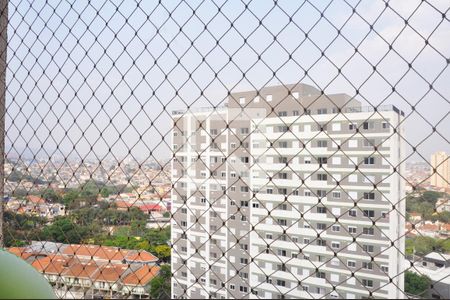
(90, 225)
(422, 245)
(160, 285)
(424, 204)
(91, 222)
(416, 284)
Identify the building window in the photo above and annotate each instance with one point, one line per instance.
(283, 207)
(321, 111)
(243, 289)
(282, 175)
(336, 228)
(352, 213)
(368, 143)
(352, 126)
(368, 125)
(321, 242)
(268, 98)
(282, 159)
(368, 231)
(282, 191)
(367, 265)
(295, 113)
(281, 267)
(336, 195)
(244, 261)
(244, 203)
(320, 275)
(282, 144)
(351, 230)
(321, 210)
(367, 283)
(321, 226)
(322, 177)
(351, 264)
(368, 248)
(282, 252)
(245, 159)
(369, 213)
(322, 144)
(322, 160)
(335, 245)
(321, 193)
(281, 282)
(282, 114)
(244, 189)
(369, 196)
(369, 160)
(385, 125)
(245, 130)
(282, 222)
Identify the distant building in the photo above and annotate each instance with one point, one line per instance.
(36, 206)
(443, 204)
(435, 266)
(150, 208)
(441, 177)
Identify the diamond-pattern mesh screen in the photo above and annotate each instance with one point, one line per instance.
(228, 149)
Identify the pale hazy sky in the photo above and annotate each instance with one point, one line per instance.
(92, 61)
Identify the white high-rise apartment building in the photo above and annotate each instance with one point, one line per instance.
(298, 195)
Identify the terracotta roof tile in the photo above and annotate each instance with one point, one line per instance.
(141, 256)
(142, 276)
(111, 272)
(53, 264)
(82, 270)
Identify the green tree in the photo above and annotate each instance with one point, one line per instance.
(70, 197)
(63, 230)
(51, 196)
(160, 285)
(162, 252)
(416, 284)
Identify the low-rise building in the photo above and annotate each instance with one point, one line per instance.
(435, 266)
(92, 271)
(442, 204)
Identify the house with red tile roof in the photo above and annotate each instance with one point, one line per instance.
(89, 271)
(149, 208)
(135, 282)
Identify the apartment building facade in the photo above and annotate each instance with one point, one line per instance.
(288, 193)
(440, 172)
